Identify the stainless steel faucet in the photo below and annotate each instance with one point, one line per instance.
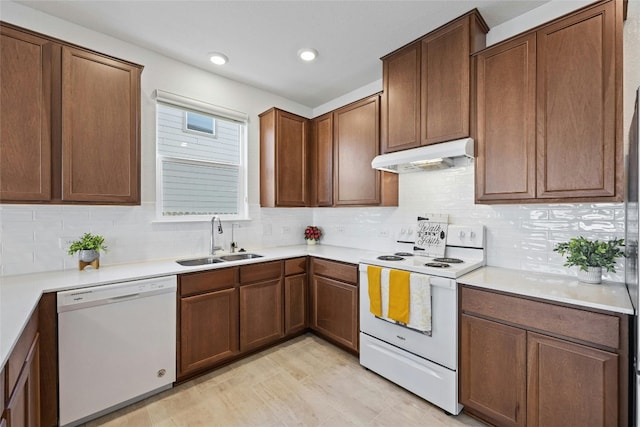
(213, 229)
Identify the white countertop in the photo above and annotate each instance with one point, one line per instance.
(609, 296)
(19, 295)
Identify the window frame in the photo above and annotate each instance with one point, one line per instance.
(185, 103)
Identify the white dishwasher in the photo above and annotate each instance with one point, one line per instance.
(116, 345)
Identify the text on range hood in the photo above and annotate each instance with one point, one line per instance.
(429, 157)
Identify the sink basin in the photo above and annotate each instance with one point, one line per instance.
(199, 261)
(238, 257)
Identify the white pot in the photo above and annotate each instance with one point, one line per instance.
(592, 275)
(312, 242)
(88, 255)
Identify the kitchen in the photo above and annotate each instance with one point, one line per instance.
(518, 236)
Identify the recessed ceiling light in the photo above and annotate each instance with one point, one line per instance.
(218, 58)
(307, 55)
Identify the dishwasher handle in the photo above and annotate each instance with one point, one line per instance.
(76, 299)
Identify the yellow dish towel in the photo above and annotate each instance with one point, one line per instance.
(399, 295)
(375, 299)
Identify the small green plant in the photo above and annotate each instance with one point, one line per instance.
(586, 253)
(88, 242)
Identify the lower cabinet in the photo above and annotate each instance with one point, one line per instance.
(208, 320)
(261, 304)
(23, 408)
(552, 365)
(334, 297)
(295, 296)
(21, 379)
(260, 314)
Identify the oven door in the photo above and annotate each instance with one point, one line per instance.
(441, 347)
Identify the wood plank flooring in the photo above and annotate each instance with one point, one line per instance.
(303, 382)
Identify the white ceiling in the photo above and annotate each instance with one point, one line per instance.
(261, 38)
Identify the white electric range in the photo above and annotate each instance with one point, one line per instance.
(425, 363)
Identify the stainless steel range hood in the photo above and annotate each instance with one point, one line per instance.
(429, 157)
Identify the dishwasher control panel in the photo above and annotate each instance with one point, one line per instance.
(115, 292)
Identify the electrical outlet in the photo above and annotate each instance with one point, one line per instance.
(383, 233)
(340, 228)
(286, 229)
(266, 229)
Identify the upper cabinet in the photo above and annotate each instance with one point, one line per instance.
(549, 112)
(25, 102)
(356, 142)
(71, 130)
(325, 161)
(426, 86)
(100, 128)
(71, 123)
(284, 155)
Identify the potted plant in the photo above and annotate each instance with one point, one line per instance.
(591, 256)
(312, 234)
(88, 248)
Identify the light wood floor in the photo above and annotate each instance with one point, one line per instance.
(303, 382)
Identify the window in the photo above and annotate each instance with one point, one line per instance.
(201, 160)
(200, 123)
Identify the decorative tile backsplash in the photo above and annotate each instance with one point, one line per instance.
(34, 238)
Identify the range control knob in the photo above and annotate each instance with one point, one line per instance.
(161, 373)
(461, 234)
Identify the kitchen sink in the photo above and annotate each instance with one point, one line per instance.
(238, 257)
(199, 261)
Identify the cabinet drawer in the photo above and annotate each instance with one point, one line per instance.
(295, 266)
(336, 270)
(596, 328)
(18, 357)
(197, 283)
(262, 271)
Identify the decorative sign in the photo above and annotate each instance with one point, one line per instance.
(431, 235)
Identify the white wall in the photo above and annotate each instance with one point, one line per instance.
(32, 238)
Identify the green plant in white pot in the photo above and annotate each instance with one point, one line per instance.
(591, 256)
(88, 248)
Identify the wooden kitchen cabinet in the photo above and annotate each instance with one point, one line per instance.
(322, 160)
(100, 128)
(295, 295)
(356, 139)
(71, 123)
(426, 86)
(207, 320)
(506, 118)
(575, 126)
(284, 159)
(261, 305)
(570, 384)
(26, 73)
(493, 367)
(536, 363)
(334, 302)
(22, 379)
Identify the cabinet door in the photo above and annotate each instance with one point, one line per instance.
(23, 408)
(493, 365)
(506, 120)
(444, 114)
(570, 384)
(260, 314)
(334, 310)
(25, 102)
(579, 145)
(400, 106)
(100, 129)
(295, 303)
(356, 143)
(208, 330)
(291, 160)
(322, 160)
